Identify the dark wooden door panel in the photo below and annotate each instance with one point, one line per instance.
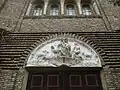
(64, 80)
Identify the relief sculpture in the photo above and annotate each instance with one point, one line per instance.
(64, 51)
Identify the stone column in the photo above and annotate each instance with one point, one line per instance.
(96, 8)
(29, 9)
(45, 6)
(62, 6)
(79, 6)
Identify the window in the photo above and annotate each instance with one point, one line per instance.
(37, 10)
(86, 10)
(70, 10)
(54, 11)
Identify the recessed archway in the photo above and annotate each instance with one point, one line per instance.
(64, 57)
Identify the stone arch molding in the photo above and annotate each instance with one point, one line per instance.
(63, 51)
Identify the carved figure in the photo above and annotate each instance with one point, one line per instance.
(64, 49)
(76, 53)
(64, 52)
(54, 50)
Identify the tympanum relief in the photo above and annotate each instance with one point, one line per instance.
(64, 51)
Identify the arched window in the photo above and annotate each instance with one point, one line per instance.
(54, 10)
(37, 10)
(70, 10)
(86, 10)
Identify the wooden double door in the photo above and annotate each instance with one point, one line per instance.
(64, 80)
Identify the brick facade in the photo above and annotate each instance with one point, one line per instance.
(21, 34)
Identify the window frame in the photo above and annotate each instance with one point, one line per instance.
(74, 8)
(89, 11)
(52, 10)
(34, 8)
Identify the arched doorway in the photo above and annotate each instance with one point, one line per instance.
(64, 64)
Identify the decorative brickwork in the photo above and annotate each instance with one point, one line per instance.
(20, 34)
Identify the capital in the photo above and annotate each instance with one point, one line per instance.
(62, 1)
(46, 1)
(78, 1)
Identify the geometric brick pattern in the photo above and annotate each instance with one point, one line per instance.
(17, 46)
